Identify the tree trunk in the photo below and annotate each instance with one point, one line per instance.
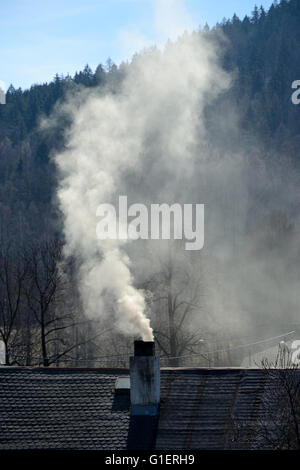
(173, 349)
(44, 347)
(28, 341)
(76, 347)
(6, 353)
(172, 332)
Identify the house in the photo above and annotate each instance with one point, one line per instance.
(168, 409)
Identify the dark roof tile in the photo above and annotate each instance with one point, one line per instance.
(78, 409)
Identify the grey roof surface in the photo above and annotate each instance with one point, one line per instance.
(79, 409)
(198, 406)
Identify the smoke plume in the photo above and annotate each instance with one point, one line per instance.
(165, 130)
(141, 135)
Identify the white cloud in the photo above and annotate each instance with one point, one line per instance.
(132, 41)
(171, 19)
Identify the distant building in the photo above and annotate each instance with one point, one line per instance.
(2, 96)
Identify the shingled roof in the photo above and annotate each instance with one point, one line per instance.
(79, 409)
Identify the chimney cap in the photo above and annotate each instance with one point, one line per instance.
(144, 348)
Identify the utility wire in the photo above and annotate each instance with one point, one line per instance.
(232, 348)
(204, 353)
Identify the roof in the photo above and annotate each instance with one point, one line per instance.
(79, 409)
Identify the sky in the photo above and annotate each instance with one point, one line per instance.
(41, 38)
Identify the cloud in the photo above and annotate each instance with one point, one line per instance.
(171, 19)
(168, 20)
(132, 41)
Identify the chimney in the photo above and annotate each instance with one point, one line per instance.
(144, 379)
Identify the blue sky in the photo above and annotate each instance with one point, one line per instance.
(39, 38)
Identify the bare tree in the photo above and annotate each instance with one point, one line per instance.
(53, 299)
(277, 425)
(45, 293)
(176, 294)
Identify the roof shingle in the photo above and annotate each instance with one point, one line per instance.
(79, 409)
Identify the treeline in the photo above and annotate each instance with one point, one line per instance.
(27, 176)
(260, 50)
(264, 51)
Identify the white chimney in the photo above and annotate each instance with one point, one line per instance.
(144, 379)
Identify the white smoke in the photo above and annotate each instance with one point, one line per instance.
(171, 18)
(152, 124)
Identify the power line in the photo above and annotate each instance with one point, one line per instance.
(204, 353)
(232, 348)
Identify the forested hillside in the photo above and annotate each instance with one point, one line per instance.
(265, 51)
(262, 51)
